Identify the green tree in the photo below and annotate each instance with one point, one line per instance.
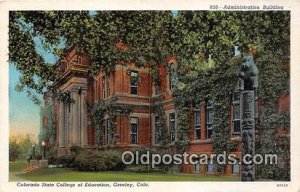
(14, 149)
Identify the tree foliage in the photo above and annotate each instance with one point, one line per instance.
(20, 147)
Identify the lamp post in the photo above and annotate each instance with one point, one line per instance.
(33, 151)
(43, 150)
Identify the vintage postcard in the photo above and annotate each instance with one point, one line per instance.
(140, 96)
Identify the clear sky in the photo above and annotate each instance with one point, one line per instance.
(24, 115)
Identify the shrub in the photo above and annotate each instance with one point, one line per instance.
(146, 168)
(37, 157)
(75, 150)
(66, 160)
(139, 168)
(52, 156)
(89, 160)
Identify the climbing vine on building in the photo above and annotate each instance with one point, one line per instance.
(164, 138)
(112, 109)
(47, 125)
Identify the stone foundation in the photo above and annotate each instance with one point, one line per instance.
(34, 163)
(62, 151)
(43, 163)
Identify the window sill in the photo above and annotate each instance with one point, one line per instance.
(171, 144)
(199, 141)
(156, 145)
(236, 138)
(134, 145)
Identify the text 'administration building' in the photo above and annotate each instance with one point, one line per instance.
(135, 87)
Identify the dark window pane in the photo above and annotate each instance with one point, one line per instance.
(236, 116)
(209, 131)
(172, 126)
(236, 112)
(209, 119)
(103, 87)
(197, 133)
(134, 139)
(134, 130)
(133, 90)
(172, 137)
(236, 126)
(197, 117)
(157, 130)
(236, 168)
(171, 78)
(107, 85)
(133, 82)
(172, 116)
(236, 97)
(134, 78)
(210, 167)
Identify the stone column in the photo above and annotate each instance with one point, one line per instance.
(70, 130)
(66, 128)
(61, 125)
(75, 118)
(78, 132)
(84, 124)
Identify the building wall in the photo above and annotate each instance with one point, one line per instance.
(119, 85)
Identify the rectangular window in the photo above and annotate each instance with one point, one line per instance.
(134, 130)
(210, 166)
(110, 134)
(236, 116)
(104, 132)
(197, 167)
(103, 87)
(197, 123)
(172, 126)
(236, 168)
(95, 90)
(79, 60)
(157, 130)
(107, 85)
(209, 119)
(134, 82)
(171, 78)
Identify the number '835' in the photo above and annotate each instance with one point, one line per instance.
(214, 7)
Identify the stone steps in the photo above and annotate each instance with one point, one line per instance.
(30, 169)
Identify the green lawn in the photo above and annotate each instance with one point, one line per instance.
(17, 166)
(62, 174)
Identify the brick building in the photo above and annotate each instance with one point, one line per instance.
(135, 87)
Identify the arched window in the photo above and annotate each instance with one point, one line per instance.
(172, 76)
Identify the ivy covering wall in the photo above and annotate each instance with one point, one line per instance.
(48, 130)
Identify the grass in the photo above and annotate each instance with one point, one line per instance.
(17, 166)
(63, 174)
